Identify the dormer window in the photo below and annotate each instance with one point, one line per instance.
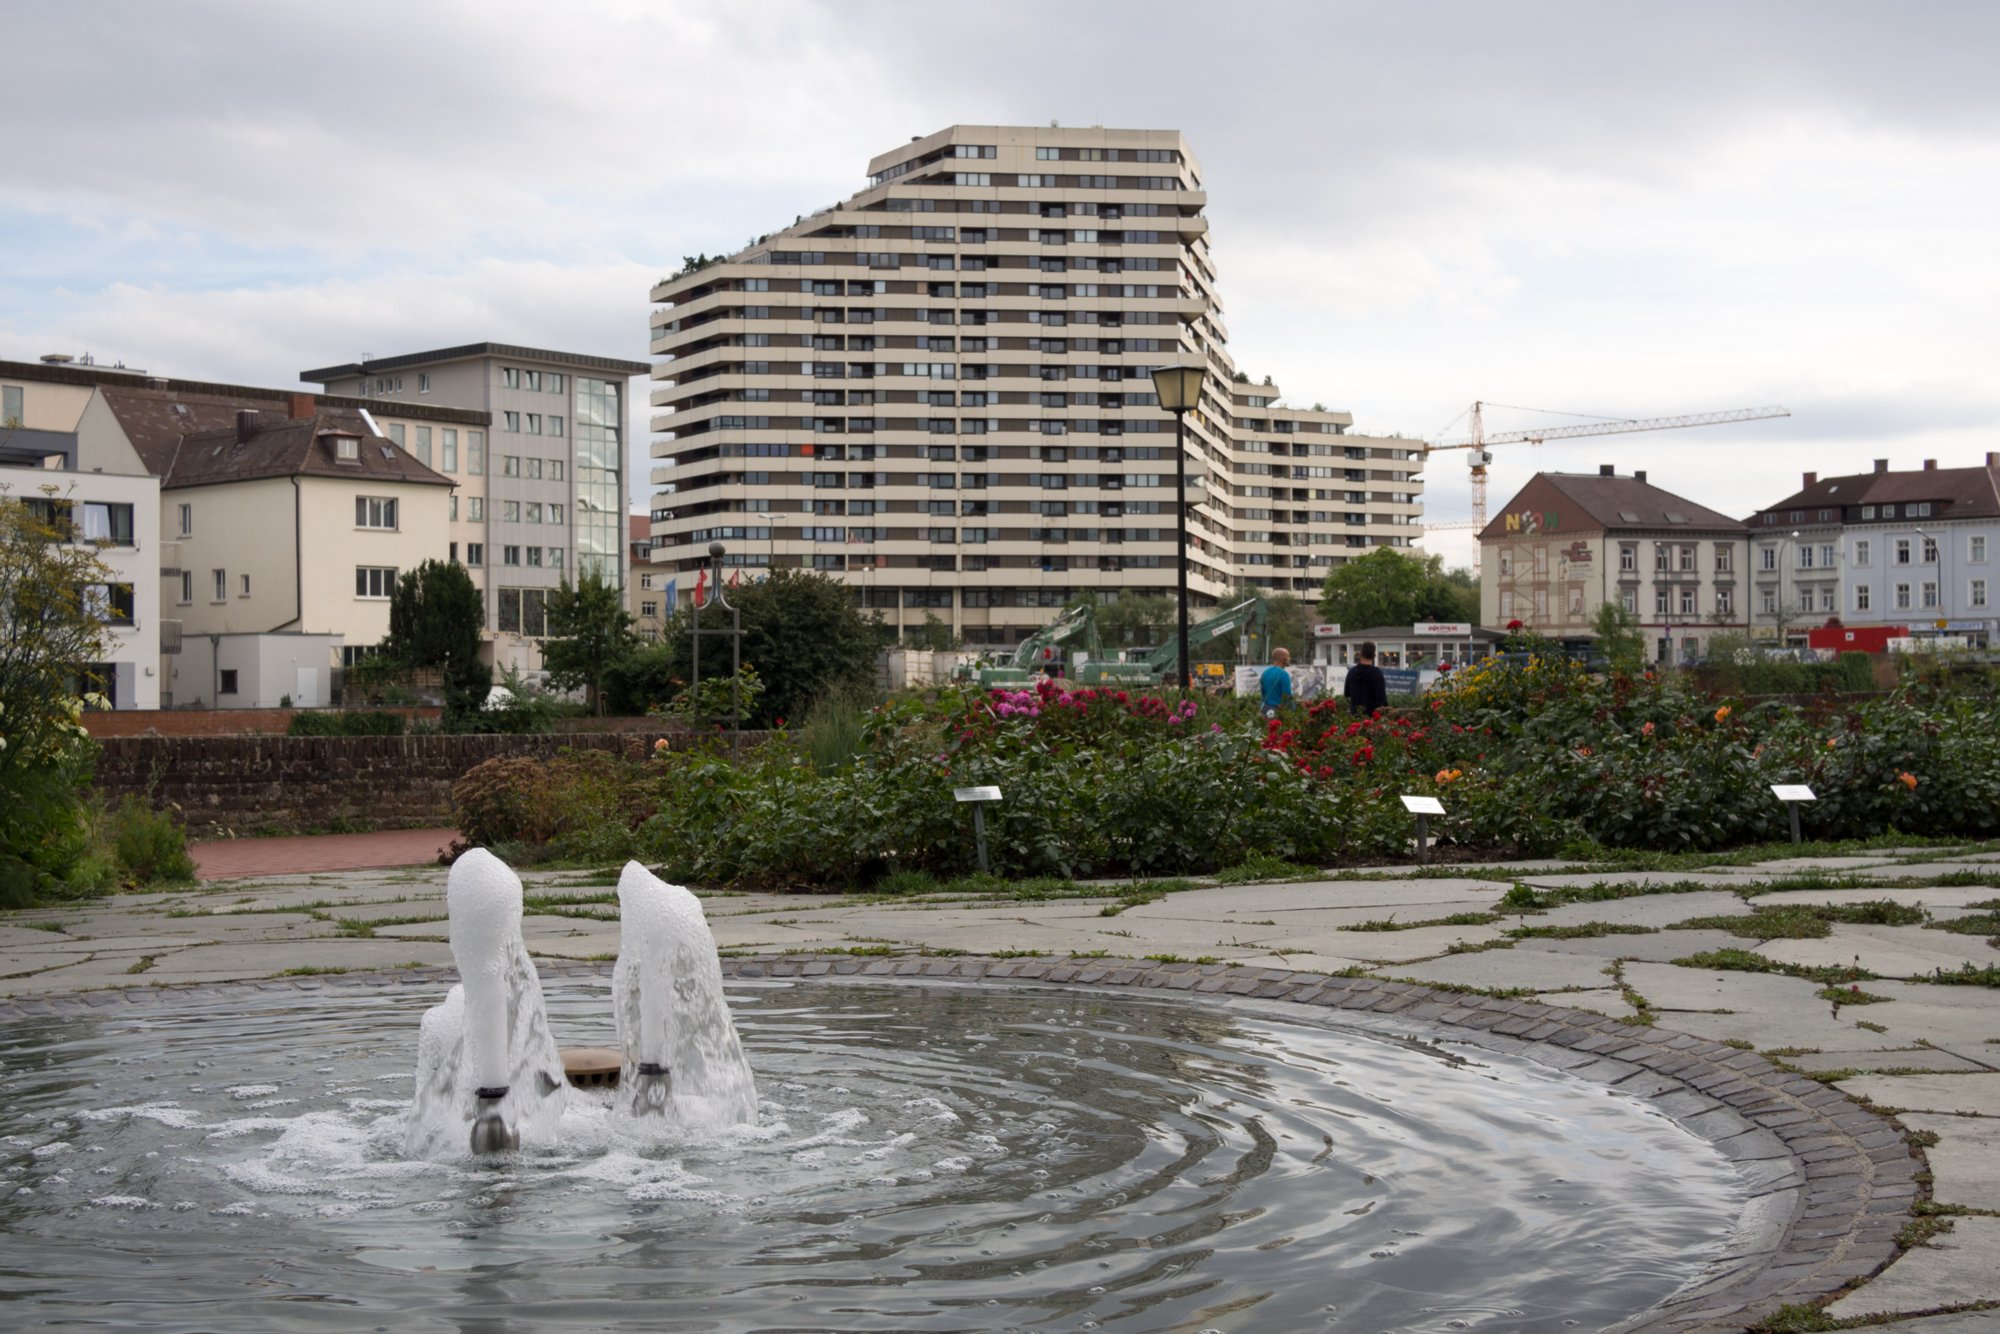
(346, 448)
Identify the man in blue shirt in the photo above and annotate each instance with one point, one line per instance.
(1276, 682)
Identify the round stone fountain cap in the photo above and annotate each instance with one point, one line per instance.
(591, 1067)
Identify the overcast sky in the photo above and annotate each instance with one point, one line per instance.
(1583, 208)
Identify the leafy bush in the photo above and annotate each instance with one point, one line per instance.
(151, 846)
(346, 722)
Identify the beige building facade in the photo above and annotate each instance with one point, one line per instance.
(938, 390)
(1568, 543)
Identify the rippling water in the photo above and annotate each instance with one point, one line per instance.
(925, 1159)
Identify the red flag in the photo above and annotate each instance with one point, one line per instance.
(735, 577)
(701, 587)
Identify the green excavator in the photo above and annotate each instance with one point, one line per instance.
(1148, 667)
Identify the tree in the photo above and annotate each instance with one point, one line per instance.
(589, 630)
(934, 634)
(1285, 621)
(435, 615)
(50, 632)
(1618, 636)
(1386, 587)
(801, 631)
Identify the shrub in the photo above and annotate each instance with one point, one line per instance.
(151, 846)
(346, 722)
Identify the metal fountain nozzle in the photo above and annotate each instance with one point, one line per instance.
(655, 1087)
(490, 1131)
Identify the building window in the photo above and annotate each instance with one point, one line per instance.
(448, 449)
(1862, 597)
(523, 611)
(1725, 560)
(10, 405)
(227, 685)
(510, 511)
(1976, 549)
(1769, 601)
(534, 423)
(1687, 560)
(511, 421)
(1725, 601)
(510, 555)
(1661, 603)
(1930, 594)
(374, 512)
(1506, 563)
(422, 453)
(108, 523)
(1687, 602)
(423, 382)
(475, 553)
(475, 452)
(535, 470)
(1902, 597)
(187, 587)
(475, 509)
(1930, 551)
(1861, 552)
(1767, 558)
(1629, 600)
(454, 507)
(534, 556)
(243, 586)
(374, 581)
(510, 378)
(111, 603)
(1976, 594)
(187, 520)
(555, 426)
(1902, 551)
(1628, 556)
(510, 465)
(221, 585)
(397, 435)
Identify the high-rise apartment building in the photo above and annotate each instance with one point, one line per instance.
(540, 498)
(939, 390)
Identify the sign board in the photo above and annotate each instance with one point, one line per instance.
(1246, 680)
(1792, 792)
(976, 793)
(1401, 680)
(1962, 627)
(1441, 628)
(1326, 632)
(1423, 805)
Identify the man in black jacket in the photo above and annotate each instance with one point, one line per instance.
(1366, 691)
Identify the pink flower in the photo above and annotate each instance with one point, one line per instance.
(1647, 730)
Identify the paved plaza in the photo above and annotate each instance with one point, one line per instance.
(1620, 947)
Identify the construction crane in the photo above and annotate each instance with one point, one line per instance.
(1478, 441)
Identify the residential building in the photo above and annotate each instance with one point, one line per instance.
(546, 491)
(125, 423)
(939, 390)
(1913, 548)
(295, 526)
(649, 595)
(1568, 543)
(118, 513)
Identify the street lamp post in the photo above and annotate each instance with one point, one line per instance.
(1179, 388)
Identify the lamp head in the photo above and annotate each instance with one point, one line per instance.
(1179, 387)
(716, 549)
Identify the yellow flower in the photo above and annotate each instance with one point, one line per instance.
(1722, 713)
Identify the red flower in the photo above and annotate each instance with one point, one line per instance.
(1513, 626)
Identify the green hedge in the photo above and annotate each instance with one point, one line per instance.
(347, 722)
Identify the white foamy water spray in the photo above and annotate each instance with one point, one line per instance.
(683, 1059)
(491, 1033)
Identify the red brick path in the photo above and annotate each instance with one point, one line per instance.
(230, 858)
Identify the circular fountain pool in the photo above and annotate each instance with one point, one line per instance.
(983, 1158)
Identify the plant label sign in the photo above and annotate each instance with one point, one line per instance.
(976, 793)
(1423, 805)
(1792, 792)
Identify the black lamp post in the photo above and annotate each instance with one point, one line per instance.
(1179, 388)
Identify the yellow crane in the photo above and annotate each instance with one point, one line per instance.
(1480, 456)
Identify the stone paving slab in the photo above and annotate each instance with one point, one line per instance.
(1504, 969)
(1965, 1322)
(1667, 987)
(1585, 879)
(1603, 1000)
(1654, 910)
(1412, 898)
(1891, 951)
(223, 962)
(1794, 865)
(1985, 1054)
(1975, 1095)
(1941, 900)
(1960, 1266)
(1772, 1030)
(1963, 1015)
(1965, 1162)
(1424, 942)
(1657, 947)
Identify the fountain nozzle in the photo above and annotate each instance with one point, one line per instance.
(490, 1132)
(654, 1086)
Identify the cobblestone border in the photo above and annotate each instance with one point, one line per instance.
(1831, 1183)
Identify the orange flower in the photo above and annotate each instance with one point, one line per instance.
(1449, 775)
(1583, 751)
(1722, 713)
(1646, 730)
(1829, 742)
(1908, 780)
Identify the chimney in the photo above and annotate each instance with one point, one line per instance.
(1811, 477)
(1930, 465)
(1992, 459)
(246, 425)
(1606, 470)
(1639, 474)
(1881, 465)
(302, 406)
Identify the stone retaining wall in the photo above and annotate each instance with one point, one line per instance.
(298, 784)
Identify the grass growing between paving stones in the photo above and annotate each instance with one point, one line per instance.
(1748, 961)
(1456, 919)
(1580, 931)
(1266, 868)
(1904, 847)
(1805, 921)
(1969, 976)
(1524, 898)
